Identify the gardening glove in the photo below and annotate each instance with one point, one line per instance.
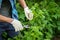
(28, 13)
(17, 25)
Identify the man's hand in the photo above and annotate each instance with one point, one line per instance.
(17, 25)
(28, 13)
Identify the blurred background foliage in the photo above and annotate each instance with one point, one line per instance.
(46, 22)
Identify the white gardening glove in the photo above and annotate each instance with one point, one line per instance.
(28, 13)
(17, 25)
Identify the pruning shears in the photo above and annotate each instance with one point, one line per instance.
(26, 26)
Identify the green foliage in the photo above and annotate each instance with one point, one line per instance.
(45, 22)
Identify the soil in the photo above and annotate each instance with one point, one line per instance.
(56, 37)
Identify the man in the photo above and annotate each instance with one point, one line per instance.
(9, 18)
